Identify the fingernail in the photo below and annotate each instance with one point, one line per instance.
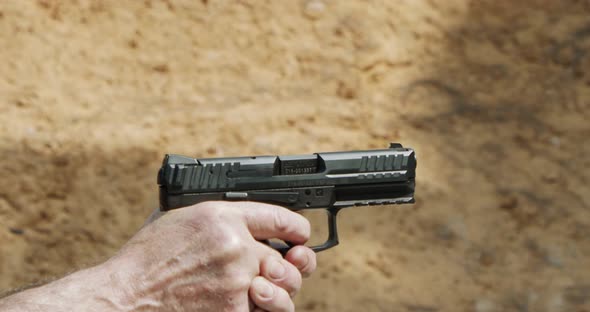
(262, 288)
(276, 269)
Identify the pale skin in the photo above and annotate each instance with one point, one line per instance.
(206, 257)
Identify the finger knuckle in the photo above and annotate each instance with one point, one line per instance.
(210, 211)
(306, 222)
(295, 282)
(238, 278)
(306, 227)
(298, 277)
(230, 245)
(281, 222)
(284, 303)
(200, 215)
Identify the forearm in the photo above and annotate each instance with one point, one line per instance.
(200, 258)
(92, 289)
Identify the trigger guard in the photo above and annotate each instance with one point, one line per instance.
(329, 243)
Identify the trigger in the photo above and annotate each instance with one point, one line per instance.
(282, 248)
(332, 232)
(332, 240)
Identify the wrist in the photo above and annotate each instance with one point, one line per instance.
(133, 287)
(92, 289)
(113, 289)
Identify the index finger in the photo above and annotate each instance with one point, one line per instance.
(267, 221)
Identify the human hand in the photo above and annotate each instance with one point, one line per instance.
(208, 257)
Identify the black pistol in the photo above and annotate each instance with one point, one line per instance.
(330, 181)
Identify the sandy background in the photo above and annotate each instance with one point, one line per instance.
(493, 95)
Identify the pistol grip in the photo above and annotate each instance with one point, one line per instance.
(329, 243)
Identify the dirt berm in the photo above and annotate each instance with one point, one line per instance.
(493, 95)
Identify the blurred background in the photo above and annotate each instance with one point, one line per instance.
(493, 95)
